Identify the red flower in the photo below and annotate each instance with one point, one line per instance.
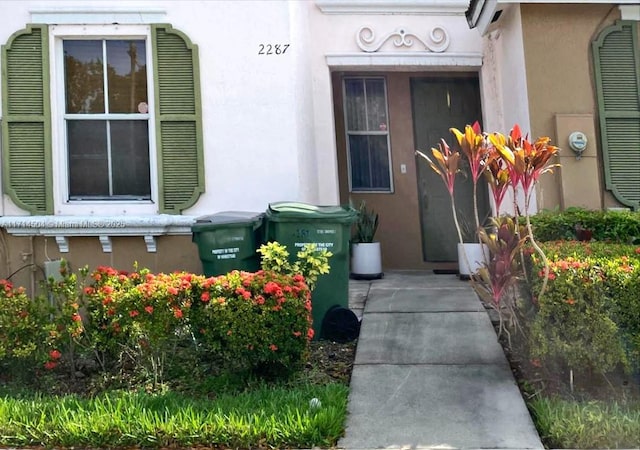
(76, 317)
(244, 293)
(173, 290)
(50, 365)
(133, 313)
(271, 288)
(297, 333)
(88, 290)
(297, 277)
(177, 312)
(107, 289)
(273, 347)
(23, 314)
(205, 297)
(570, 301)
(55, 354)
(536, 363)
(310, 333)
(149, 309)
(260, 300)
(111, 312)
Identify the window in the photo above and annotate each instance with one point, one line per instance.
(106, 119)
(616, 54)
(102, 119)
(367, 129)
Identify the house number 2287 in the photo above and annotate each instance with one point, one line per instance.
(272, 49)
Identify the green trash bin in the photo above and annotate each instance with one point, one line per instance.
(295, 224)
(228, 241)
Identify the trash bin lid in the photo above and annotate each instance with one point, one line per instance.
(228, 219)
(287, 211)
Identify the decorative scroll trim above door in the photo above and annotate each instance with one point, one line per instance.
(437, 42)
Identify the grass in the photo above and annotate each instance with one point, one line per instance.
(594, 424)
(267, 416)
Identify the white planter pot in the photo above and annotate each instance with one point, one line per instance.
(476, 255)
(366, 260)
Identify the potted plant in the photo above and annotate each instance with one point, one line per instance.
(472, 253)
(366, 257)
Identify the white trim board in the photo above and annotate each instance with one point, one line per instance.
(98, 15)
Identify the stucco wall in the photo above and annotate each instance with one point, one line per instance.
(25, 256)
(557, 42)
(257, 109)
(269, 129)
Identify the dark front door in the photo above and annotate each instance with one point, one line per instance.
(439, 104)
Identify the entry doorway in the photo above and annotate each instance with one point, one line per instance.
(381, 118)
(439, 104)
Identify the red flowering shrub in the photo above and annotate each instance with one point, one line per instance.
(139, 320)
(23, 336)
(622, 286)
(141, 314)
(257, 321)
(590, 316)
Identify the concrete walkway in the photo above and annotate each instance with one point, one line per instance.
(429, 372)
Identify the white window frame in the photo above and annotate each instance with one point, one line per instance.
(367, 133)
(62, 204)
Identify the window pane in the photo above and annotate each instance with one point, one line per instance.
(380, 178)
(376, 105)
(88, 161)
(127, 76)
(355, 105)
(360, 162)
(83, 76)
(130, 158)
(369, 163)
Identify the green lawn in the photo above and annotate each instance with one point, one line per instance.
(264, 416)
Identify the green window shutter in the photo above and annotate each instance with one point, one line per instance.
(26, 125)
(178, 119)
(617, 74)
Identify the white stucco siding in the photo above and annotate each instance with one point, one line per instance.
(257, 109)
(269, 119)
(513, 75)
(248, 101)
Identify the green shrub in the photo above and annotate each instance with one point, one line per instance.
(590, 316)
(310, 262)
(613, 226)
(24, 336)
(255, 321)
(622, 286)
(572, 324)
(140, 315)
(144, 323)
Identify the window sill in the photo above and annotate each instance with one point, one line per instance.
(103, 227)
